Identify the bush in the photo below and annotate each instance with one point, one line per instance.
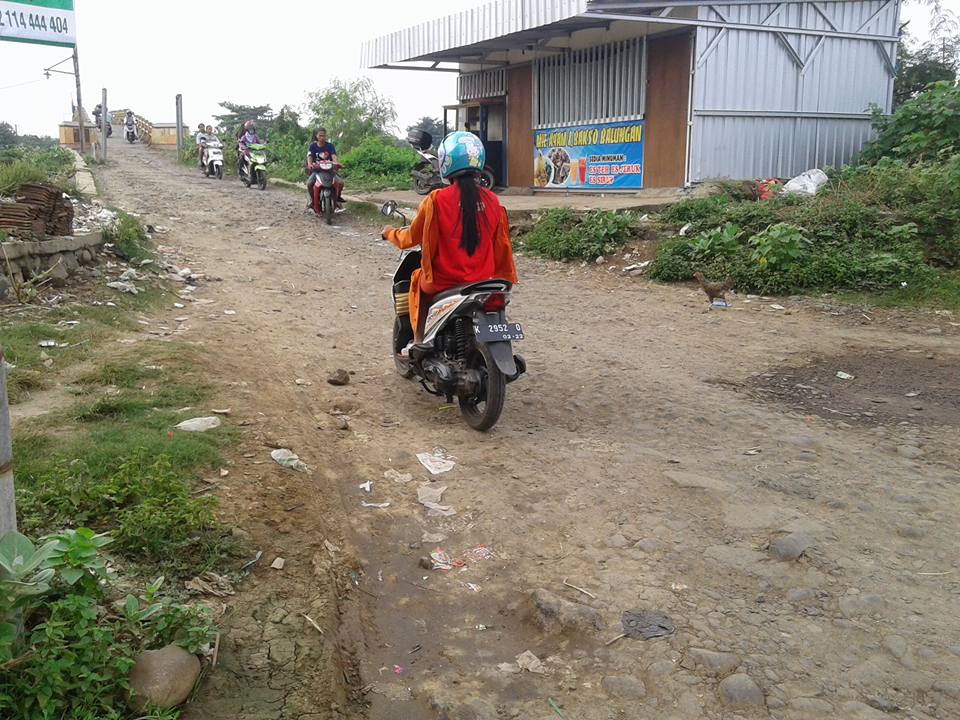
(872, 228)
(924, 128)
(19, 165)
(562, 235)
(129, 236)
(76, 651)
(378, 163)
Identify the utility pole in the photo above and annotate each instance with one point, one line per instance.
(8, 504)
(179, 124)
(104, 125)
(76, 73)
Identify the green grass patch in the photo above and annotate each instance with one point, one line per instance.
(941, 291)
(113, 462)
(561, 234)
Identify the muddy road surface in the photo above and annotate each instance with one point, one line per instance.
(795, 531)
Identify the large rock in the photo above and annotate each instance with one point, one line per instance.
(624, 687)
(740, 691)
(163, 678)
(716, 664)
(791, 547)
(552, 613)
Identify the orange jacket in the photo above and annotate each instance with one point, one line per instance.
(425, 232)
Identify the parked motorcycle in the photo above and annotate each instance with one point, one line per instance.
(253, 170)
(324, 202)
(212, 159)
(426, 173)
(467, 348)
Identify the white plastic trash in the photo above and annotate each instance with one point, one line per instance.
(199, 424)
(288, 458)
(807, 183)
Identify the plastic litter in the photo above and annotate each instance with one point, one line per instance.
(646, 624)
(47, 343)
(229, 312)
(130, 274)
(124, 287)
(278, 563)
(397, 476)
(441, 560)
(375, 505)
(844, 376)
(438, 461)
(807, 183)
(429, 496)
(777, 307)
(531, 663)
(685, 229)
(641, 266)
(289, 459)
(199, 424)
(250, 563)
(478, 554)
(366, 487)
(718, 303)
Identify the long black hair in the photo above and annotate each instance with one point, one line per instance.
(469, 206)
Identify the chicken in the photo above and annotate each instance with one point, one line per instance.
(714, 290)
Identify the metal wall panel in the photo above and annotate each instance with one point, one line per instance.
(778, 104)
(744, 147)
(486, 22)
(483, 84)
(603, 83)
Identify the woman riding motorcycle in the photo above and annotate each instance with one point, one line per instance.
(462, 230)
(248, 137)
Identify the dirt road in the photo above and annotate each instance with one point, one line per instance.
(649, 457)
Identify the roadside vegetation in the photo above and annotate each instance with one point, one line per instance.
(112, 510)
(359, 122)
(20, 164)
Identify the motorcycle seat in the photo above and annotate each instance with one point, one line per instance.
(472, 288)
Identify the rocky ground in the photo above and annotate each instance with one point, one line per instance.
(787, 534)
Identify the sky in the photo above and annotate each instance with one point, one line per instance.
(145, 54)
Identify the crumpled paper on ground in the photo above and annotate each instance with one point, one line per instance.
(429, 496)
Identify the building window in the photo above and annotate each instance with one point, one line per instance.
(606, 83)
(481, 85)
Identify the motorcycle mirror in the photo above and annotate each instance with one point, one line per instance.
(389, 208)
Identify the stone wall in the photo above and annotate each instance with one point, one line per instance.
(21, 260)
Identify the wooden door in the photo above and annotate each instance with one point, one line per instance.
(668, 94)
(520, 126)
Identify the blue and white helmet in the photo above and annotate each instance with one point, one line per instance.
(460, 152)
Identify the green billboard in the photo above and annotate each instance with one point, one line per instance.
(45, 22)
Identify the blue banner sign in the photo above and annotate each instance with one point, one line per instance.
(589, 157)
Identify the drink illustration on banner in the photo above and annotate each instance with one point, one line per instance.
(590, 157)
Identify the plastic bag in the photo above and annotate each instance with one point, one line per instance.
(807, 183)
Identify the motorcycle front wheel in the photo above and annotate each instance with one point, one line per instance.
(482, 410)
(219, 172)
(328, 207)
(261, 180)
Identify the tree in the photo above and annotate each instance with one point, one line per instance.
(916, 69)
(9, 138)
(237, 115)
(429, 125)
(351, 111)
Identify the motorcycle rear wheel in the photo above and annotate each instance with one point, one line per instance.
(402, 334)
(421, 187)
(482, 411)
(487, 180)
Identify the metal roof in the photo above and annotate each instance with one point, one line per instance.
(486, 35)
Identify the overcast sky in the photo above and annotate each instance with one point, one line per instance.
(145, 54)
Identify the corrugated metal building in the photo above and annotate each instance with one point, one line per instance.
(614, 94)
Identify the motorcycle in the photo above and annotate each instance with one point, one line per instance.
(467, 348)
(253, 169)
(426, 173)
(130, 132)
(324, 203)
(212, 159)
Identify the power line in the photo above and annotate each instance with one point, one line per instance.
(28, 82)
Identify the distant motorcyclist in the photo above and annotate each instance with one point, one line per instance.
(201, 138)
(130, 123)
(322, 149)
(462, 230)
(248, 137)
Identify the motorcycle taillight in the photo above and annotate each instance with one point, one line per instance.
(495, 302)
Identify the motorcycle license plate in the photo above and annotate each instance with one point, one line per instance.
(498, 332)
